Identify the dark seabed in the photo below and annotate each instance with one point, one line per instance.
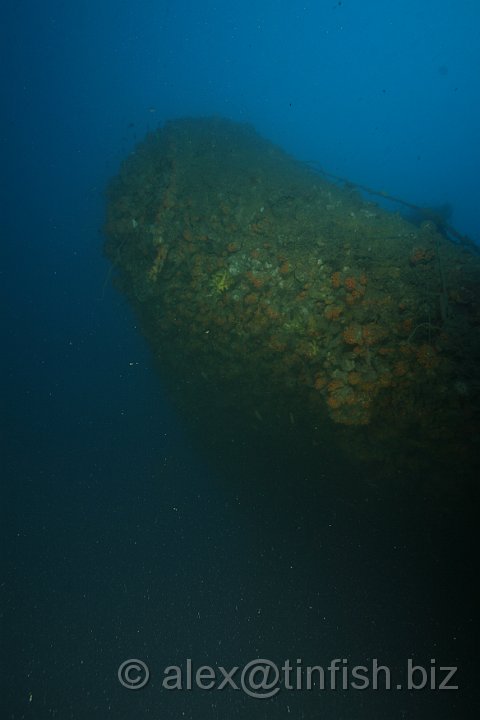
(131, 531)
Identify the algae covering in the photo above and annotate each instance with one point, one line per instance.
(271, 294)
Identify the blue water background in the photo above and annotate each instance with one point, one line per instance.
(119, 540)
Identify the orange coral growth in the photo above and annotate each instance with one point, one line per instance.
(284, 268)
(341, 396)
(333, 312)
(350, 283)
(406, 326)
(371, 334)
(421, 256)
(367, 388)
(320, 382)
(354, 295)
(272, 313)
(353, 334)
(256, 281)
(336, 280)
(334, 402)
(334, 385)
(231, 247)
(400, 368)
(427, 357)
(353, 377)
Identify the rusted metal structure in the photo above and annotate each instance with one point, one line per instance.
(270, 293)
